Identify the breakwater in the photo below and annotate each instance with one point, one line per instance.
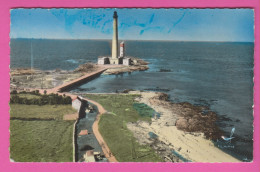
(84, 79)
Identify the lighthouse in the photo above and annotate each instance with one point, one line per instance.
(122, 49)
(114, 59)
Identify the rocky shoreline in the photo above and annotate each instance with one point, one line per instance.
(26, 78)
(182, 133)
(190, 118)
(126, 69)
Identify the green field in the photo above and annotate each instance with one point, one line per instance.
(40, 112)
(29, 96)
(113, 128)
(38, 133)
(41, 141)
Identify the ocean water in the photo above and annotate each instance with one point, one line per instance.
(213, 74)
(56, 54)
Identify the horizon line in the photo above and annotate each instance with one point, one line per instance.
(132, 40)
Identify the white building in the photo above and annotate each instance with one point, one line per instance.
(76, 103)
(89, 156)
(127, 61)
(103, 60)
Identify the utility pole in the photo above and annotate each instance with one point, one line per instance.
(31, 60)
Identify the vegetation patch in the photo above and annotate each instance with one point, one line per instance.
(55, 112)
(113, 128)
(35, 98)
(144, 110)
(41, 141)
(28, 96)
(38, 133)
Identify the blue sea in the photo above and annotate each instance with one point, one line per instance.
(214, 74)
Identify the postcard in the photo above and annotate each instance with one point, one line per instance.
(131, 85)
(156, 87)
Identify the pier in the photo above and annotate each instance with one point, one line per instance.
(69, 85)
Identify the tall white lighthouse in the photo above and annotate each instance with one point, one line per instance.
(114, 59)
(117, 58)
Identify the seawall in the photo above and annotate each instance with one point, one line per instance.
(88, 77)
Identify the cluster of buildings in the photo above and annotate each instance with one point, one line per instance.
(116, 59)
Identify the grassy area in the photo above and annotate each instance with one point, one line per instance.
(41, 141)
(113, 128)
(29, 96)
(144, 110)
(41, 112)
(120, 104)
(38, 133)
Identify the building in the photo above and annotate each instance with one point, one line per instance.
(103, 60)
(76, 103)
(126, 61)
(89, 156)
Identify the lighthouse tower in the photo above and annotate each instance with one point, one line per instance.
(114, 59)
(122, 49)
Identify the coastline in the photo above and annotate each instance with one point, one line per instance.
(172, 144)
(170, 127)
(193, 146)
(26, 78)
